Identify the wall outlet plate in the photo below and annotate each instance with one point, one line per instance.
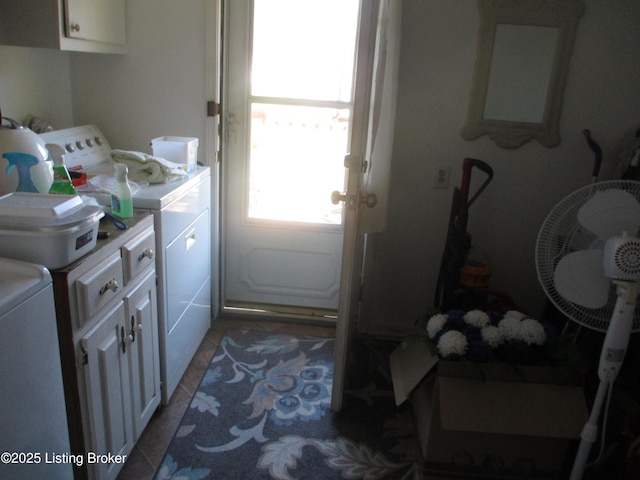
(440, 176)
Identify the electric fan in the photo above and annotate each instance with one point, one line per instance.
(588, 262)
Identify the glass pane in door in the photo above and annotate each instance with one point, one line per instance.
(302, 69)
(296, 161)
(304, 49)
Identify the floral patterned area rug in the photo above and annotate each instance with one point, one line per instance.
(262, 411)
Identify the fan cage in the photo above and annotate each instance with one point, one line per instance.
(560, 235)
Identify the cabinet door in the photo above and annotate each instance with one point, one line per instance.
(144, 364)
(108, 390)
(95, 20)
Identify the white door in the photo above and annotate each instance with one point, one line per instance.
(368, 187)
(288, 122)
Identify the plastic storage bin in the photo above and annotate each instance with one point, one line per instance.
(50, 230)
(183, 150)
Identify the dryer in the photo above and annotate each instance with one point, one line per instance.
(182, 222)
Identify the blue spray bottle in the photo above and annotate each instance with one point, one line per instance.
(24, 162)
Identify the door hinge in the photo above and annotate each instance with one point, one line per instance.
(213, 108)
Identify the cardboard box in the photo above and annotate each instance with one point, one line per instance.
(490, 420)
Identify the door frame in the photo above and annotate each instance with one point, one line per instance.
(214, 40)
(312, 315)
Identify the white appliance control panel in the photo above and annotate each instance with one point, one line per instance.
(85, 146)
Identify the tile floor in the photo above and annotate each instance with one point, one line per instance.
(150, 448)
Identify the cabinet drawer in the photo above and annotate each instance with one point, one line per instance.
(187, 268)
(98, 287)
(139, 254)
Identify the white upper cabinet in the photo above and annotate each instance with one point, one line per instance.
(75, 25)
(97, 21)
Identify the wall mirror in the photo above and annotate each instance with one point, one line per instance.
(524, 47)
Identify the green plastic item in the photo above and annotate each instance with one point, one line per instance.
(62, 181)
(61, 178)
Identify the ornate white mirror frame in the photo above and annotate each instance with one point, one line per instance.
(524, 47)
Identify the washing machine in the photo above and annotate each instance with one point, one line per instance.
(182, 222)
(34, 438)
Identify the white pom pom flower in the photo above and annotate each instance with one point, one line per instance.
(509, 327)
(491, 335)
(532, 332)
(452, 344)
(477, 318)
(435, 324)
(514, 314)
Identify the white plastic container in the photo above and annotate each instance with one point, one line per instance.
(50, 230)
(183, 150)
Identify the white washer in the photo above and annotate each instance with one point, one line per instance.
(182, 219)
(33, 417)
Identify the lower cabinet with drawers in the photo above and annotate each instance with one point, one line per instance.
(108, 325)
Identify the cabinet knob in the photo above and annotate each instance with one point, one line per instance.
(148, 253)
(134, 328)
(111, 285)
(74, 27)
(124, 339)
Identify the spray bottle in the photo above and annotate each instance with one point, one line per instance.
(121, 202)
(61, 179)
(24, 162)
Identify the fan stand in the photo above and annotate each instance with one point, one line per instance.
(613, 352)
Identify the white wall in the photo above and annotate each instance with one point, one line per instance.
(157, 88)
(35, 82)
(438, 54)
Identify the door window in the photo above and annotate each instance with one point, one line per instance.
(302, 67)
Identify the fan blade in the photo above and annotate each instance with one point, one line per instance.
(610, 212)
(579, 278)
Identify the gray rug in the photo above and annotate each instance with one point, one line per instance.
(262, 411)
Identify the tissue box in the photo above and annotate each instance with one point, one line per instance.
(183, 150)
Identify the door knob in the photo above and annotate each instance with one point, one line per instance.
(337, 197)
(370, 200)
